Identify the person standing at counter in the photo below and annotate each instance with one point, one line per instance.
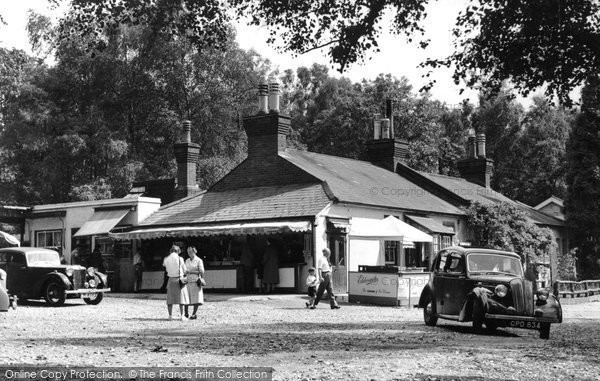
(138, 269)
(248, 262)
(195, 269)
(326, 284)
(270, 267)
(175, 293)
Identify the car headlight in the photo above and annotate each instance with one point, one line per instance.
(91, 271)
(542, 294)
(69, 271)
(501, 291)
(92, 283)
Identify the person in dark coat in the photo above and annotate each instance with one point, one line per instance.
(96, 260)
(270, 267)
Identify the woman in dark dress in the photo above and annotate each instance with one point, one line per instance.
(270, 267)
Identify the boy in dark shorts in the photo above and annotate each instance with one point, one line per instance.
(312, 282)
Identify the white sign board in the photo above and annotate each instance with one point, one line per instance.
(373, 287)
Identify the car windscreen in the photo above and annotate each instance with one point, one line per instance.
(43, 259)
(494, 263)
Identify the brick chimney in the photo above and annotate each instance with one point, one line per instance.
(267, 131)
(385, 150)
(476, 168)
(186, 154)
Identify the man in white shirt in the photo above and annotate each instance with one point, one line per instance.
(324, 270)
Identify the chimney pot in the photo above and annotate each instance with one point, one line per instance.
(263, 92)
(389, 114)
(274, 97)
(186, 132)
(385, 128)
(481, 145)
(377, 126)
(471, 147)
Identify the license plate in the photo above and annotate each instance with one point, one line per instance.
(524, 324)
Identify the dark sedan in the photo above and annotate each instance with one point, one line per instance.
(486, 287)
(36, 273)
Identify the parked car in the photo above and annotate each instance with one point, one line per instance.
(36, 273)
(6, 300)
(486, 287)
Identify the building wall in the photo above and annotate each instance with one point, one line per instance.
(78, 213)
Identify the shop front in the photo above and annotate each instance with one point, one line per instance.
(233, 254)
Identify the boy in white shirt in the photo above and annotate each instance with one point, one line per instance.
(312, 282)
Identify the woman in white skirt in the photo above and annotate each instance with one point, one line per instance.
(195, 268)
(176, 294)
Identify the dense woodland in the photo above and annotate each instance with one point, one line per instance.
(107, 110)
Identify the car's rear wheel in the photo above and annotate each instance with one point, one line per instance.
(545, 331)
(429, 312)
(54, 293)
(477, 315)
(94, 299)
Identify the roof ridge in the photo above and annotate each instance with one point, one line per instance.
(332, 156)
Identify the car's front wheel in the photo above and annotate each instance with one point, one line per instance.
(429, 312)
(93, 299)
(545, 331)
(54, 293)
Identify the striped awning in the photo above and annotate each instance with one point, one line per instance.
(253, 228)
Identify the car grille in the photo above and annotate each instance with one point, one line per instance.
(522, 292)
(78, 278)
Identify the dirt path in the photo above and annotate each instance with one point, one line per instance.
(356, 342)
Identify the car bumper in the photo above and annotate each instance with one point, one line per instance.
(83, 291)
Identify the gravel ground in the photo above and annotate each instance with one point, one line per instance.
(357, 342)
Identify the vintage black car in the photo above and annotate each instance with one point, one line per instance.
(6, 300)
(36, 273)
(486, 287)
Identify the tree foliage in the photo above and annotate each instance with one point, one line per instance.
(533, 43)
(503, 226)
(582, 203)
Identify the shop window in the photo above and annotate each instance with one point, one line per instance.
(122, 249)
(49, 239)
(391, 252)
(105, 244)
(446, 241)
(436, 243)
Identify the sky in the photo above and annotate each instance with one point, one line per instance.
(396, 55)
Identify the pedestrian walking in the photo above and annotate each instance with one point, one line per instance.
(326, 284)
(195, 269)
(176, 294)
(311, 282)
(270, 267)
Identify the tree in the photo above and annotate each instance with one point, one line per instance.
(582, 203)
(503, 226)
(536, 42)
(533, 165)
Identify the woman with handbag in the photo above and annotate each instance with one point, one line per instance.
(195, 271)
(177, 292)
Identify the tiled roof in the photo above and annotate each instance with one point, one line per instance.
(243, 204)
(431, 225)
(473, 192)
(360, 182)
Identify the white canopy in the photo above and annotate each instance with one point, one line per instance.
(390, 229)
(10, 239)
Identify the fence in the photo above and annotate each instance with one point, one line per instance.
(570, 289)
